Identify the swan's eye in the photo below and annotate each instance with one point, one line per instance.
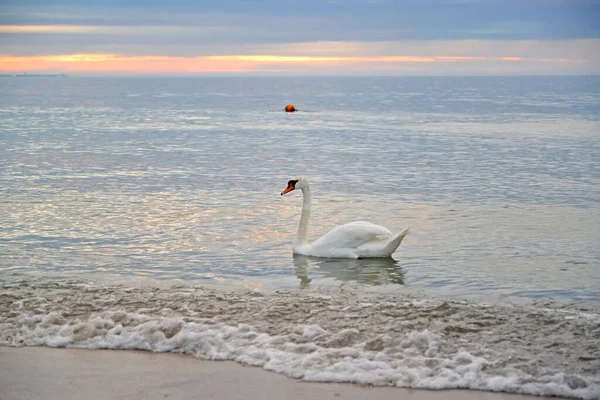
(292, 183)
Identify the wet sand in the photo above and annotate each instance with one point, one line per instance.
(29, 373)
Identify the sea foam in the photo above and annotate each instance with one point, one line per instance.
(339, 336)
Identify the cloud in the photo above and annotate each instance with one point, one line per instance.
(311, 36)
(272, 21)
(106, 30)
(45, 29)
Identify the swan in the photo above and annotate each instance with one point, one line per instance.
(357, 239)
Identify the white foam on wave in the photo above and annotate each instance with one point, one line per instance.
(304, 348)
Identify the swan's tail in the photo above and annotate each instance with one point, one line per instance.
(394, 243)
(380, 247)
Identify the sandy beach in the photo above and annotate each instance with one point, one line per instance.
(30, 373)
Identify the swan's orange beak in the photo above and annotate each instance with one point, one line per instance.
(287, 189)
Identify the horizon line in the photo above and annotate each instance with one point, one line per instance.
(282, 75)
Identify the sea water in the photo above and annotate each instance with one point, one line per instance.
(175, 182)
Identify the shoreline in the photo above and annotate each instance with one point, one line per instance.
(339, 336)
(31, 373)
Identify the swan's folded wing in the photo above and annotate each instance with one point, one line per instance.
(352, 235)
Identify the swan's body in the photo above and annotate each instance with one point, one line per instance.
(353, 240)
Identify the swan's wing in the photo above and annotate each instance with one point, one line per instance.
(350, 236)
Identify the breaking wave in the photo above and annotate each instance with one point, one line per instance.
(329, 335)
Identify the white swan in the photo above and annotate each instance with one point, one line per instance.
(353, 240)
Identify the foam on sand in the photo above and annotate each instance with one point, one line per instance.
(334, 336)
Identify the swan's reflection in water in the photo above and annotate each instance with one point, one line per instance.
(369, 271)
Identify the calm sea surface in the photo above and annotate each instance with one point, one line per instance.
(498, 180)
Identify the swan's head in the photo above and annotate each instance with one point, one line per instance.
(297, 182)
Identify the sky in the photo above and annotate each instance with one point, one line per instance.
(293, 37)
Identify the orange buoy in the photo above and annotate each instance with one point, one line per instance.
(290, 108)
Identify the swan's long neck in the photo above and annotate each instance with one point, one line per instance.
(302, 234)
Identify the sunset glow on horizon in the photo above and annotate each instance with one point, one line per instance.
(320, 37)
(115, 63)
